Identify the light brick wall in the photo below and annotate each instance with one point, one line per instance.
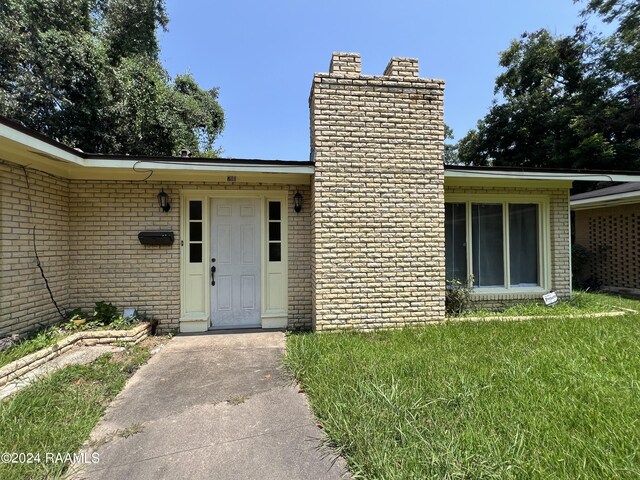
(87, 241)
(24, 300)
(612, 235)
(300, 289)
(378, 210)
(560, 240)
(108, 263)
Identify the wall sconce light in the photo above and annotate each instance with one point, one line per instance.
(163, 201)
(297, 202)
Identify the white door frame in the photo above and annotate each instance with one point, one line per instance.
(195, 280)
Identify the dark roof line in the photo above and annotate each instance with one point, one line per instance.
(185, 160)
(40, 136)
(254, 161)
(605, 192)
(144, 158)
(540, 170)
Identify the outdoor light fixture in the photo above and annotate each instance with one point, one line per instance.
(163, 200)
(297, 202)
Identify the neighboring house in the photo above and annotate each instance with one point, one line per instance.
(607, 225)
(354, 238)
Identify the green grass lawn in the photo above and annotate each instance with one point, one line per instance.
(581, 303)
(535, 399)
(57, 414)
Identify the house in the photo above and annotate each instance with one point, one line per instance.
(362, 236)
(607, 225)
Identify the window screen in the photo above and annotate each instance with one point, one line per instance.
(455, 226)
(488, 245)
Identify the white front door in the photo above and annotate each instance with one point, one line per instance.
(235, 254)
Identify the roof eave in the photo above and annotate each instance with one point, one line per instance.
(606, 201)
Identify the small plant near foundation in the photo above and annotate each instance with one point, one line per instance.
(457, 296)
(105, 313)
(102, 318)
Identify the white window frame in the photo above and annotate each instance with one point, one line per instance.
(544, 238)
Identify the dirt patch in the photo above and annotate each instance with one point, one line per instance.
(151, 343)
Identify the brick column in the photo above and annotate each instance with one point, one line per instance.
(378, 196)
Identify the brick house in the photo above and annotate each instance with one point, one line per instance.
(362, 236)
(607, 225)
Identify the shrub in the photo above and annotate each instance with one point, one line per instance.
(104, 313)
(75, 313)
(580, 257)
(457, 296)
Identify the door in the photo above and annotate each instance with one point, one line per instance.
(235, 254)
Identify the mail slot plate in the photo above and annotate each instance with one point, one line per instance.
(156, 238)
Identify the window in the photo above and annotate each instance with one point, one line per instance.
(455, 241)
(275, 232)
(487, 245)
(523, 245)
(496, 242)
(195, 231)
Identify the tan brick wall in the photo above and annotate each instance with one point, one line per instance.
(108, 262)
(87, 241)
(612, 235)
(25, 302)
(300, 290)
(378, 210)
(560, 239)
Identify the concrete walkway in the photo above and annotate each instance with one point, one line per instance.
(216, 406)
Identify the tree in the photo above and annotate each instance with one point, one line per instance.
(620, 54)
(86, 72)
(130, 27)
(450, 149)
(565, 103)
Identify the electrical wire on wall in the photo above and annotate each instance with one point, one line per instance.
(146, 170)
(35, 247)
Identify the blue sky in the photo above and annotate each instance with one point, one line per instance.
(262, 55)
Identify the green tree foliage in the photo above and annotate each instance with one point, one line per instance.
(86, 72)
(130, 27)
(450, 149)
(565, 101)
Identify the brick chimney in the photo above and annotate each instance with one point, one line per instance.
(378, 196)
(345, 64)
(402, 67)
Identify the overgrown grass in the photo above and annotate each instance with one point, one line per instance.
(42, 339)
(536, 399)
(57, 414)
(581, 303)
(50, 335)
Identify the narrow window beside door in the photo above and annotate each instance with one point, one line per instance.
(195, 231)
(275, 232)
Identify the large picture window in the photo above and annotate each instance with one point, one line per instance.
(498, 243)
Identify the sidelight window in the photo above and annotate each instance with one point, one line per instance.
(275, 231)
(195, 231)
